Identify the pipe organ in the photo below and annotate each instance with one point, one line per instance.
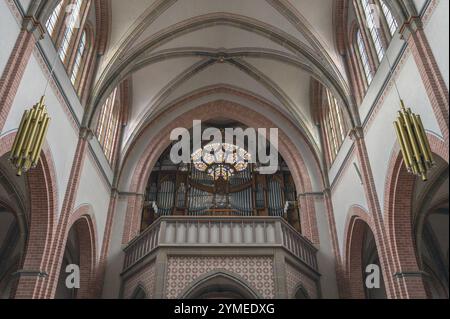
(185, 191)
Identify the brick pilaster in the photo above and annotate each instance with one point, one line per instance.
(105, 245)
(375, 210)
(58, 245)
(16, 65)
(430, 73)
(308, 218)
(340, 269)
(133, 217)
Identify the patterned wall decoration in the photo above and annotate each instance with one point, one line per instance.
(145, 278)
(257, 271)
(294, 278)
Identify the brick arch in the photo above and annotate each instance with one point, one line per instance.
(43, 206)
(398, 201)
(221, 276)
(340, 22)
(358, 221)
(82, 220)
(205, 112)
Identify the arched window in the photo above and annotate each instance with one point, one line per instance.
(335, 128)
(109, 124)
(53, 19)
(72, 22)
(78, 58)
(371, 32)
(361, 49)
(373, 26)
(390, 20)
(72, 33)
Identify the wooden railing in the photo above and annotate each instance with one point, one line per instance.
(220, 232)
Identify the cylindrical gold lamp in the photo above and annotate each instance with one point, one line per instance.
(415, 147)
(26, 150)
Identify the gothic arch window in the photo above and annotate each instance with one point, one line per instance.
(364, 58)
(72, 23)
(79, 58)
(335, 128)
(53, 19)
(390, 19)
(71, 35)
(376, 26)
(108, 125)
(372, 24)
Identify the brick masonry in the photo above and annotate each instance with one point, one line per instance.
(43, 203)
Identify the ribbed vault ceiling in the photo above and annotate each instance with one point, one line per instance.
(269, 49)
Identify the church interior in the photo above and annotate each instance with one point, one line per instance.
(93, 205)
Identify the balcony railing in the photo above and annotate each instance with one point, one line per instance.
(220, 232)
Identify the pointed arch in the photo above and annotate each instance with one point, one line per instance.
(398, 212)
(43, 209)
(220, 281)
(358, 221)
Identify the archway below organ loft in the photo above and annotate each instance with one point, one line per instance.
(220, 285)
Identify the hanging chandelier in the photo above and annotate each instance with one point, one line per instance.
(26, 150)
(414, 143)
(221, 160)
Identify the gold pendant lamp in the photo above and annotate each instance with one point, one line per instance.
(414, 143)
(27, 147)
(412, 138)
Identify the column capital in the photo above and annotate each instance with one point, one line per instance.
(410, 27)
(30, 273)
(34, 26)
(114, 193)
(357, 133)
(86, 134)
(405, 274)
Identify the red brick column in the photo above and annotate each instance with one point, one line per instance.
(58, 245)
(105, 245)
(43, 202)
(340, 269)
(133, 217)
(308, 220)
(375, 210)
(15, 67)
(437, 91)
(398, 207)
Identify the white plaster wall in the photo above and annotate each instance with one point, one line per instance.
(325, 255)
(381, 137)
(61, 137)
(115, 255)
(94, 191)
(437, 32)
(186, 9)
(347, 192)
(9, 31)
(230, 38)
